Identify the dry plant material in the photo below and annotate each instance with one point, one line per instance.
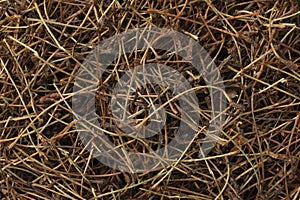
(256, 45)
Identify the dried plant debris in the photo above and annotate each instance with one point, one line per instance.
(256, 46)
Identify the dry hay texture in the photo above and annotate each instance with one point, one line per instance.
(256, 46)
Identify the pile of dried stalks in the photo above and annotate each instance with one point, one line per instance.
(256, 46)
